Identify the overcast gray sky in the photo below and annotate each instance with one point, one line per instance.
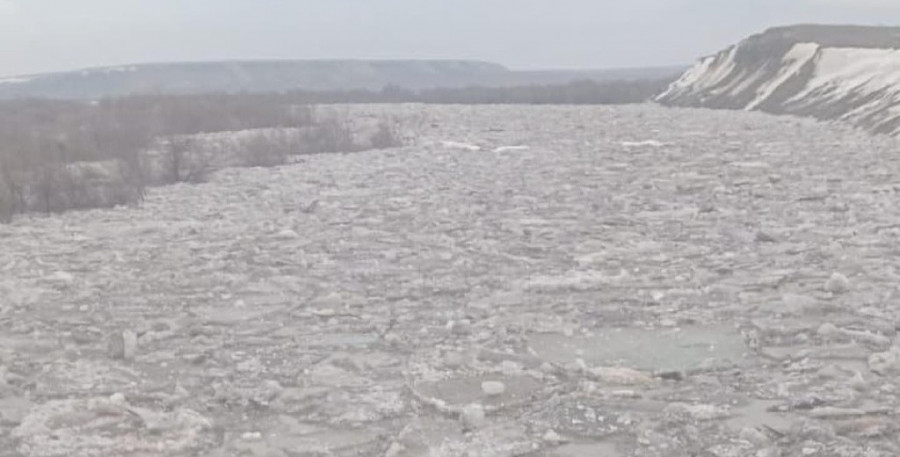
(51, 35)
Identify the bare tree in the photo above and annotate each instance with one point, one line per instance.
(57, 155)
(184, 162)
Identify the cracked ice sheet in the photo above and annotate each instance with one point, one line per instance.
(244, 301)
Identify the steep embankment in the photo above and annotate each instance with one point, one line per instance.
(846, 73)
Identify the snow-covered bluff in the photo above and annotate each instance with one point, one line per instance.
(847, 73)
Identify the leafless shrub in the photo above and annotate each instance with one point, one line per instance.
(46, 145)
(386, 136)
(7, 202)
(302, 115)
(49, 189)
(269, 149)
(329, 135)
(135, 174)
(99, 185)
(55, 187)
(12, 190)
(184, 161)
(415, 126)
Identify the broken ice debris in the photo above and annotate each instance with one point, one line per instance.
(493, 388)
(473, 416)
(837, 284)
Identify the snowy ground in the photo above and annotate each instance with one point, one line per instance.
(527, 281)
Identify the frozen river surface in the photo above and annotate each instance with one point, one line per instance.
(524, 281)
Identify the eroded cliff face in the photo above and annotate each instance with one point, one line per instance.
(842, 73)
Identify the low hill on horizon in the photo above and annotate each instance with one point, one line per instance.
(285, 75)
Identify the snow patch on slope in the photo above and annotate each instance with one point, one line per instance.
(844, 71)
(705, 75)
(690, 79)
(867, 81)
(709, 75)
(859, 85)
(795, 59)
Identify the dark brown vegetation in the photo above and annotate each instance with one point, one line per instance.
(62, 155)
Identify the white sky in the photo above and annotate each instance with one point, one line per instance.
(52, 35)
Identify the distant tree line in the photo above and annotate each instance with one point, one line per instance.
(586, 92)
(57, 155)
